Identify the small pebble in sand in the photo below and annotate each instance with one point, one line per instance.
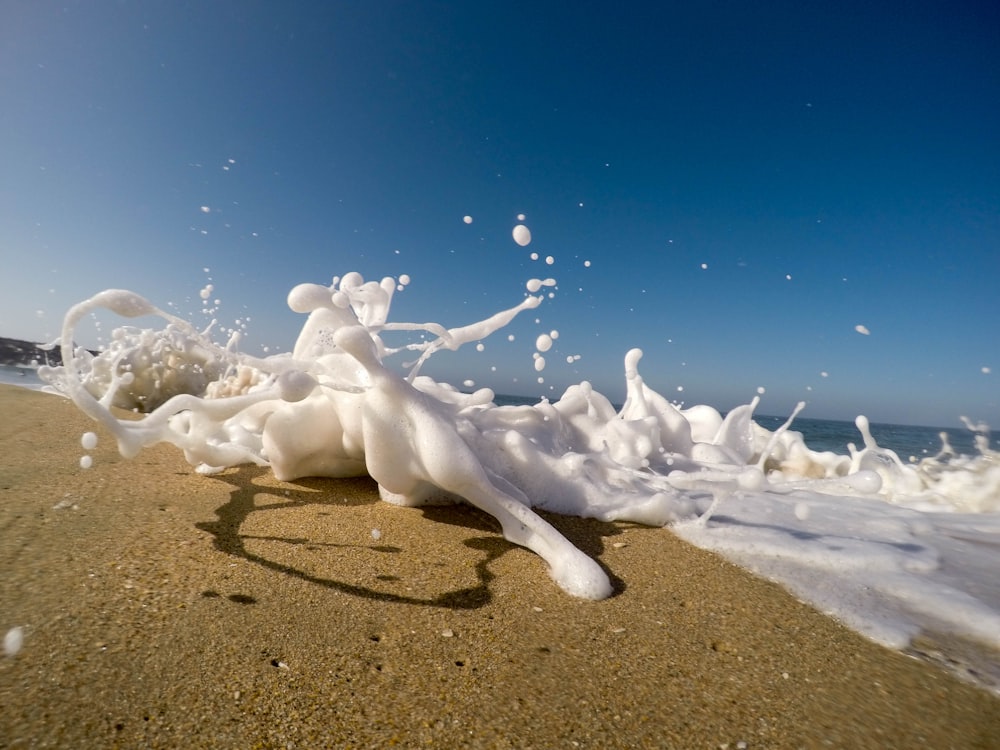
(448, 633)
(13, 641)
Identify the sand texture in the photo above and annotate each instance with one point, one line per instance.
(165, 609)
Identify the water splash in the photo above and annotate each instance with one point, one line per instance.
(341, 404)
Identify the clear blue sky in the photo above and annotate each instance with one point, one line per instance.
(850, 146)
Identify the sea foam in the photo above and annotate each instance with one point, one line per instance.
(893, 549)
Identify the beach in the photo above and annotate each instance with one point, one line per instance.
(162, 608)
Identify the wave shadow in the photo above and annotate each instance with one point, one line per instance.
(245, 498)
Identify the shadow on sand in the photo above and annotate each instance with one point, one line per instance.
(248, 495)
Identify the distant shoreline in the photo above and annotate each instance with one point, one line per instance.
(27, 355)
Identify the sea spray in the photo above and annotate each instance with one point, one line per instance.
(341, 404)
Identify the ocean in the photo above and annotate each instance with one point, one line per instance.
(905, 440)
(870, 523)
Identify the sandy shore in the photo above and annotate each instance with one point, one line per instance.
(161, 608)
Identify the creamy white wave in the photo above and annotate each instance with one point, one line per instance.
(891, 548)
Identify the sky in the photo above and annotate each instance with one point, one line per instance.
(732, 187)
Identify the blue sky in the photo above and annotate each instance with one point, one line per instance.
(829, 164)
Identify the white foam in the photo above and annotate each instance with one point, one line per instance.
(522, 235)
(891, 548)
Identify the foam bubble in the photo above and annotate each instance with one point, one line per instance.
(522, 235)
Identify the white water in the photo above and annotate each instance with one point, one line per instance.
(893, 550)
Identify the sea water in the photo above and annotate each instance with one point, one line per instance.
(900, 545)
(26, 376)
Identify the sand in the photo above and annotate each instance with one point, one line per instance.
(161, 608)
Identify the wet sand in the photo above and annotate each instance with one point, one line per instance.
(161, 608)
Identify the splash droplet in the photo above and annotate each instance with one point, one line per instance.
(522, 235)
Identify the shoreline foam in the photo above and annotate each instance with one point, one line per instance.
(163, 608)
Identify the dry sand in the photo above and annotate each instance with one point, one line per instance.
(161, 608)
